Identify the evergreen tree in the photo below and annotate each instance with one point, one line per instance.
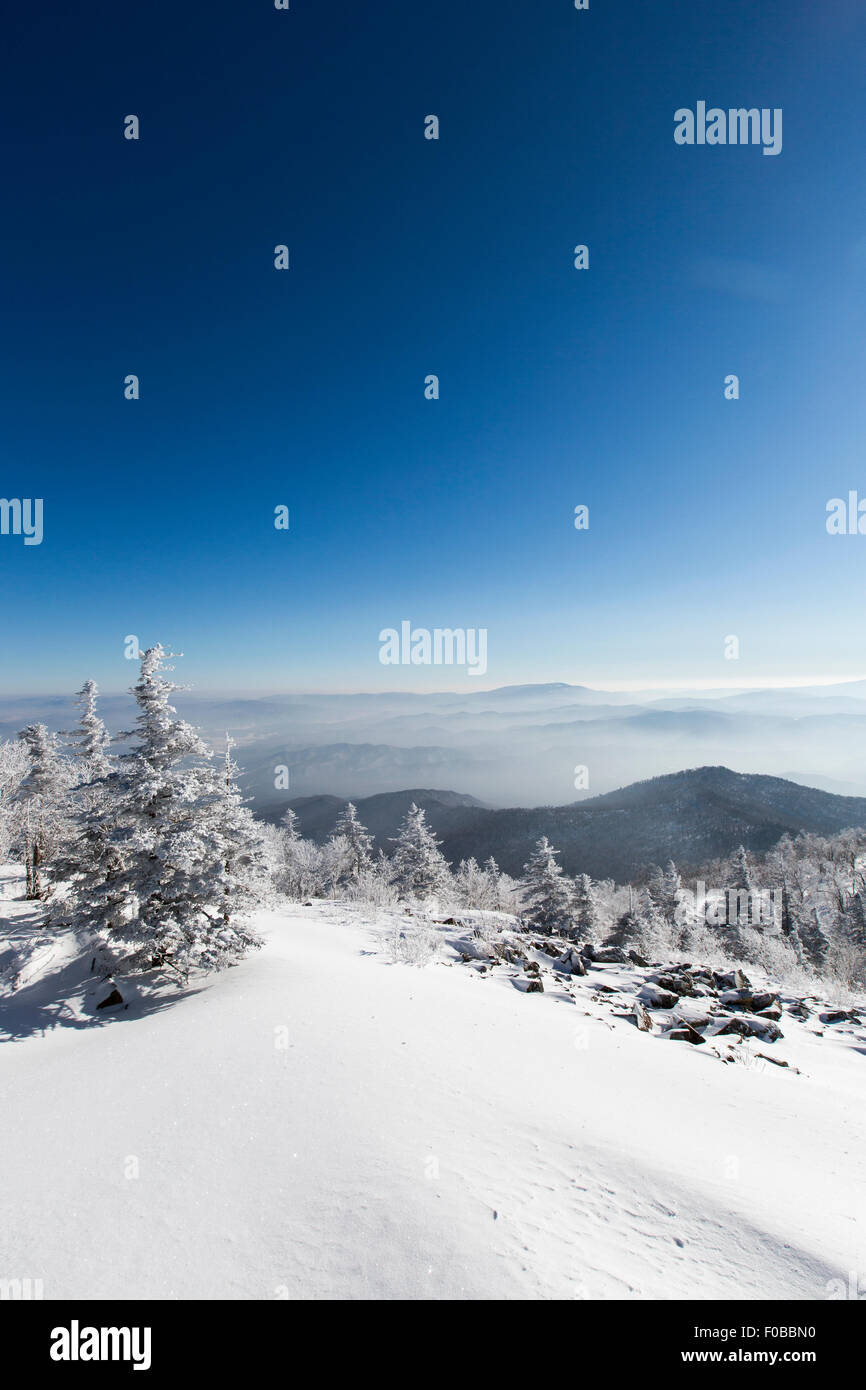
(814, 941)
(358, 840)
(91, 739)
(740, 872)
(585, 906)
(43, 794)
(418, 867)
(671, 890)
(853, 915)
(241, 853)
(167, 872)
(499, 893)
(14, 766)
(546, 889)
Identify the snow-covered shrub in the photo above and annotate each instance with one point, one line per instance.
(372, 888)
(412, 941)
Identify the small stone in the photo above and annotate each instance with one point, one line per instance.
(642, 1019)
(685, 1034)
(110, 1000)
(777, 1061)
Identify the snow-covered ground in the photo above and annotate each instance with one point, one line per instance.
(323, 1122)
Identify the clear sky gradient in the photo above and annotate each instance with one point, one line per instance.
(409, 257)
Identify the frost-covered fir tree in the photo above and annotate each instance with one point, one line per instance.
(672, 886)
(418, 867)
(155, 882)
(358, 839)
(43, 795)
(737, 934)
(92, 809)
(815, 942)
(241, 854)
(90, 740)
(546, 890)
(14, 766)
(740, 871)
(289, 824)
(584, 907)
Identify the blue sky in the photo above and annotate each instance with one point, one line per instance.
(409, 257)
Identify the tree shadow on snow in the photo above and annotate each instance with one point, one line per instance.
(69, 995)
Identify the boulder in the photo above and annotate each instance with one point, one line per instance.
(693, 1013)
(511, 954)
(749, 1001)
(840, 1016)
(733, 979)
(656, 998)
(571, 962)
(637, 959)
(749, 1025)
(703, 974)
(604, 955)
(680, 982)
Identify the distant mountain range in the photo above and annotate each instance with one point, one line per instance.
(691, 817)
(518, 745)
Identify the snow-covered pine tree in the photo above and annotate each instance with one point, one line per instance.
(740, 872)
(358, 839)
(495, 885)
(92, 809)
(546, 890)
(671, 889)
(418, 867)
(43, 794)
(241, 854)
(155, 881)
(14, 766)
(290, 826)
(584, 907)
(813, 938)
(90, 739)
(737, 930)
(852, 915)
